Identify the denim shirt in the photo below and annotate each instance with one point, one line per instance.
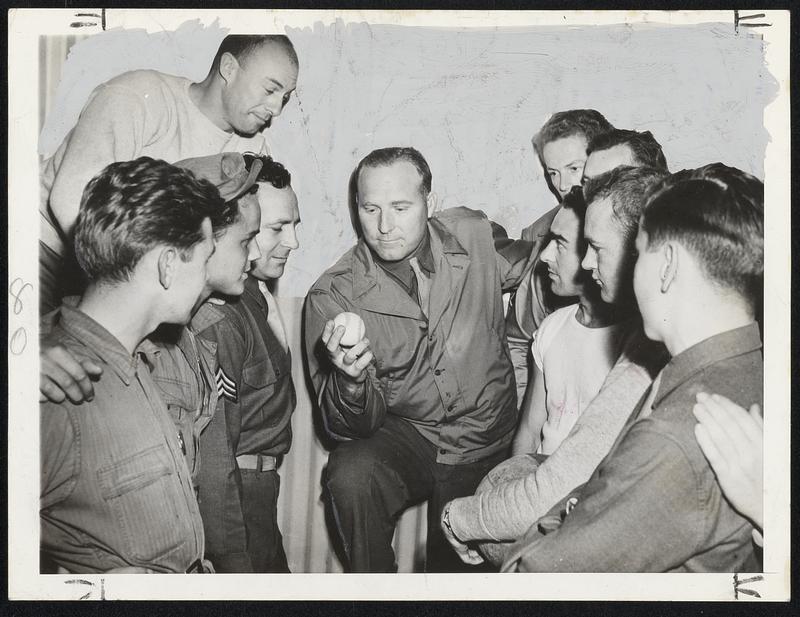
(654, 504)
(183, 368)
(115, 488)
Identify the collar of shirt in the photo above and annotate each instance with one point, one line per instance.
(705, 353)
(401, 270)
(440, 243)
(104, 344)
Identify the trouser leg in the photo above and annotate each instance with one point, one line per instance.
(260, 491)
(452, 481)
(369, 483)
(220, 500)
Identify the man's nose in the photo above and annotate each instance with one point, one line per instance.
(386, 222)
(589, 260)
(290, 240)
(275, 103)
(547, 253)
(253, 252)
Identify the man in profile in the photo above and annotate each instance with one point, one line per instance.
(116, 492)
(560, 145)
(654, 503)
(246, 440)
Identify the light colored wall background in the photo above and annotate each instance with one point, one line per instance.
(470, 101)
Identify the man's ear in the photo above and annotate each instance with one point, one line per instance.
(228, 66)
(433, 203)
(669, 269)
(167, 264)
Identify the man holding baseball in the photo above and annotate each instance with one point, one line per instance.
(421, 392)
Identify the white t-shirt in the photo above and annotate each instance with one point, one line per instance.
(574, 361)
(140, 113)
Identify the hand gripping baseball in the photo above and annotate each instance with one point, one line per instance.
(347, 346)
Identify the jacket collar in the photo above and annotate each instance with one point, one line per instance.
(375, 290)
(705, 353)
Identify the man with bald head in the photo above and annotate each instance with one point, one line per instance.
(148, 113)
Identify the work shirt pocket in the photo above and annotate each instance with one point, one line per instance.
(139, 491)
(259, 374)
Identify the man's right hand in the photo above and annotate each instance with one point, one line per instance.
(64, 376)
(351, 362)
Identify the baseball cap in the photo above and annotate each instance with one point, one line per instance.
(227, 171)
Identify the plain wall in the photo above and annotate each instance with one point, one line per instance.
(469, 100)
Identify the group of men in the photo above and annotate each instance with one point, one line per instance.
(168, 380)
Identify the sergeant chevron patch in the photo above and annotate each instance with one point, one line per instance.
(226, 387)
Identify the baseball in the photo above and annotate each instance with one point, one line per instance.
(354, 328)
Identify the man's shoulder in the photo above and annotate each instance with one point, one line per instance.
(739, 378)
(460, 215)
(216, 315)
(145, 80)
(58, 335)
(541, 226)
(340, 273)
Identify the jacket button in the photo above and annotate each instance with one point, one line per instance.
(442, 451)
(451, 407)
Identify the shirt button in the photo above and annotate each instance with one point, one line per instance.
(438, 371)
(442, 451)
(451, 407)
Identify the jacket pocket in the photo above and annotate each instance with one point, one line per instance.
(141, 493)
(259, 375)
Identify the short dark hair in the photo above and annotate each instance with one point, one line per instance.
(388, 156)
(242, 45)
(717, 213)
(224, 216)
(272, 172)
(574, 201)
(133, 206)
(585, 122)
(628, 189)
(646, 150)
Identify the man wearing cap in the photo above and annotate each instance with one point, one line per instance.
(186, 367)
(251, 431)
(147, 113)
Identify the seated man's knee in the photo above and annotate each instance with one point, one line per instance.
(351, 470)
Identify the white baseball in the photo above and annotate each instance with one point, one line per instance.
(354, 328)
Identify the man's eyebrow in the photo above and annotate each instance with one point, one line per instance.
(402, 202)
(555, 236)
(275, 81)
